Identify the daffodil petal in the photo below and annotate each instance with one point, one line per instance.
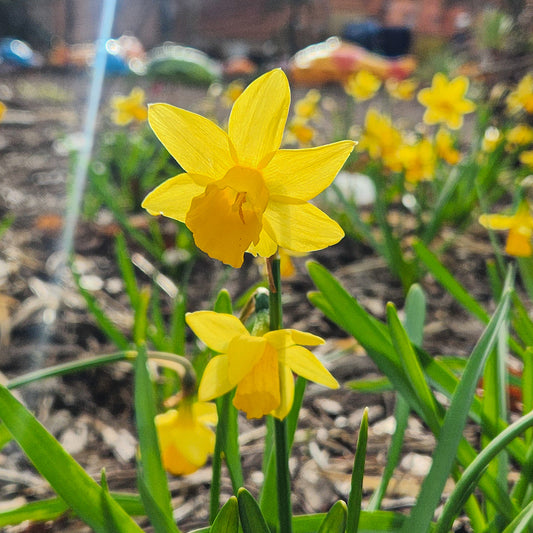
(496, 221)
(302, 227)
(304, 173)
(518, 244)
(266, 245)
(173, 197)
(286, 385)
(283, 338)
(195, 443)
(305, 364)
(258, 118)
(205, 412)
(216, 330)
(243, 354)
(196, 143)
(258, 393)
(215, 380)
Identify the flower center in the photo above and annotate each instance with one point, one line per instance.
(227, 218)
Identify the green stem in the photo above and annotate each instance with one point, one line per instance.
(280, 426)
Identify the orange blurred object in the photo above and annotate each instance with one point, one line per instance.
(334, 61)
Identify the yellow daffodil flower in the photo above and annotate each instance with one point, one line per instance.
(526, 158)
(185, 439)
(363, 85)
(491, 139)
(240, 192)
(300, 131)
(444, 145)
(260, 367)
(522, 97)
(418, 161)
(129, 108)
(2, 110)
(381, 139)
(445, 101)
(307, 107)
(520, 135)
(232, 92)
(401, 89)
(520, 226)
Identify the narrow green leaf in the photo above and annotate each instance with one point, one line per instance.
(523, 522)
(151, 470)
(227, 520)
(161, 521)
(467, 484)
(356, 490)
(252, 520)
(445, 278)
(446, 450)
(126, 269)
(413, 369)
(335, 521)
(5, 436)
(375, 385)
(415, 314)
(70, 482)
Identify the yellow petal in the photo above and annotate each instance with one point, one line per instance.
(205, 412)
(215, 380)
(496, 221)
(286, 382)
(304, 173)
(173, 197)
(258, 393)
(283, 338)
(305, 364)
(266, 245)
(243, 354)
(258, 118)
(302, 227)
(518, 243)
(216, 330)
(196, 143)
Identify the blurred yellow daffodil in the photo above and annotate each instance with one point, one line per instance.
(520, 226)
(260, 367)
(526, 158)
(363, 85)
(307, 107)
(445, 101)
(401, 89)
(381, 139)
(129, 108)
(522, 97)
(232, 92)
(185, 439)
(240, 192)
(418, 161)
(520, 135)
(2, 110)
(444, 145)
(301, 131)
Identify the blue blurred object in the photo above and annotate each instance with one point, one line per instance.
(389, 41)
(17, 53)
(116, 62)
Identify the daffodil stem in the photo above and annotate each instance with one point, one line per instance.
(280, 426)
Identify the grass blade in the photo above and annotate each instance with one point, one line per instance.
(335, 521)
(151, 470)
(356, 491)
(453, 425)
(69, 481)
